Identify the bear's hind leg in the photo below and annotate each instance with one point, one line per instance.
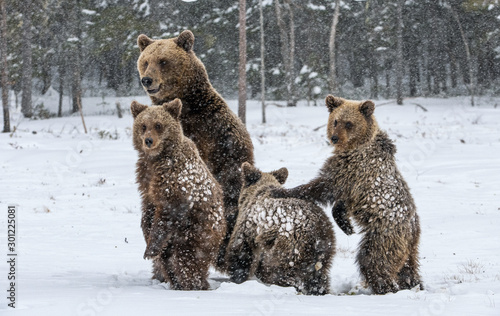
(317, 282)
(409, 276)
(231, 214)
(158, 271)
(239, 258)
(314, 273)
(380, 263)
(187, 268)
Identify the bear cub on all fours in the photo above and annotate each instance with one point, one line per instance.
(182, 205)
(169, 69)
(287, 242)
(364, 182)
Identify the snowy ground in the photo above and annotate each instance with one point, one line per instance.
(80, 244)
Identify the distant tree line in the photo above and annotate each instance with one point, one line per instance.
(88, 47)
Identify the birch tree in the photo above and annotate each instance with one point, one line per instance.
(331, 47)
(262, 63)
(287, 35)
(242, 81)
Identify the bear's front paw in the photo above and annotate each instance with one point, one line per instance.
(346, 228)
(278, 193)
(339, 213)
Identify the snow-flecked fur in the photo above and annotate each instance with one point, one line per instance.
(363, 179)
(182, 205)
(287, 242)
(222, 140)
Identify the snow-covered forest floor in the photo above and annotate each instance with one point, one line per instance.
(80, 243)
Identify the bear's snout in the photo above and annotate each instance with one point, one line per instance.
(149, 142)
(147, 82)
(335, 139)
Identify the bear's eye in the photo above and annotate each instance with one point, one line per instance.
(162, 62)
(144, 128)
(348, 125)
(158, 126)
(146, 64)
(335, 123)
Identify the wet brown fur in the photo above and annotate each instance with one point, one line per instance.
(287, 242)
(182, 206)
(364, 182)
(221, 138)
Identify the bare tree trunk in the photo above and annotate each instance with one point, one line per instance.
(27, 71)
(81, 114)
(453, 70)
(331, 47)
(287, 45)
(76, 84)
(399, 58)
(242, 81)
(5, 74)
(468, 55)
(76, 75)
(61, 88)
(291, 60)
(262, 64)
(283, 34)
(62, 72)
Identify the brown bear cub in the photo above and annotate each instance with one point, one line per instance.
(169, 69)
(182, 206)
(363, 179)
(287, 242)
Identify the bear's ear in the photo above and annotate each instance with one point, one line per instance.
(281, 175)
(185, 40)
(137, 108)
(143, 41)
(333, 102)
(367, 108)
(250, 174)
(174, 108)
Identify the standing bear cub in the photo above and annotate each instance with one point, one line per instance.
(182, 208)
(287, 242)
(169, 69)
(363, 179)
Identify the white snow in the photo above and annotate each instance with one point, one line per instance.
(89, 12)
(80, 244)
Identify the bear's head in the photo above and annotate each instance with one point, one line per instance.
(156, 128)
(254, 177)
(351, 124)
(255, 181)
(169, 68)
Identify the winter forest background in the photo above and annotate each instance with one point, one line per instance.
(88, 47)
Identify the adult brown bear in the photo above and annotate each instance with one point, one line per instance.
(169, 69)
